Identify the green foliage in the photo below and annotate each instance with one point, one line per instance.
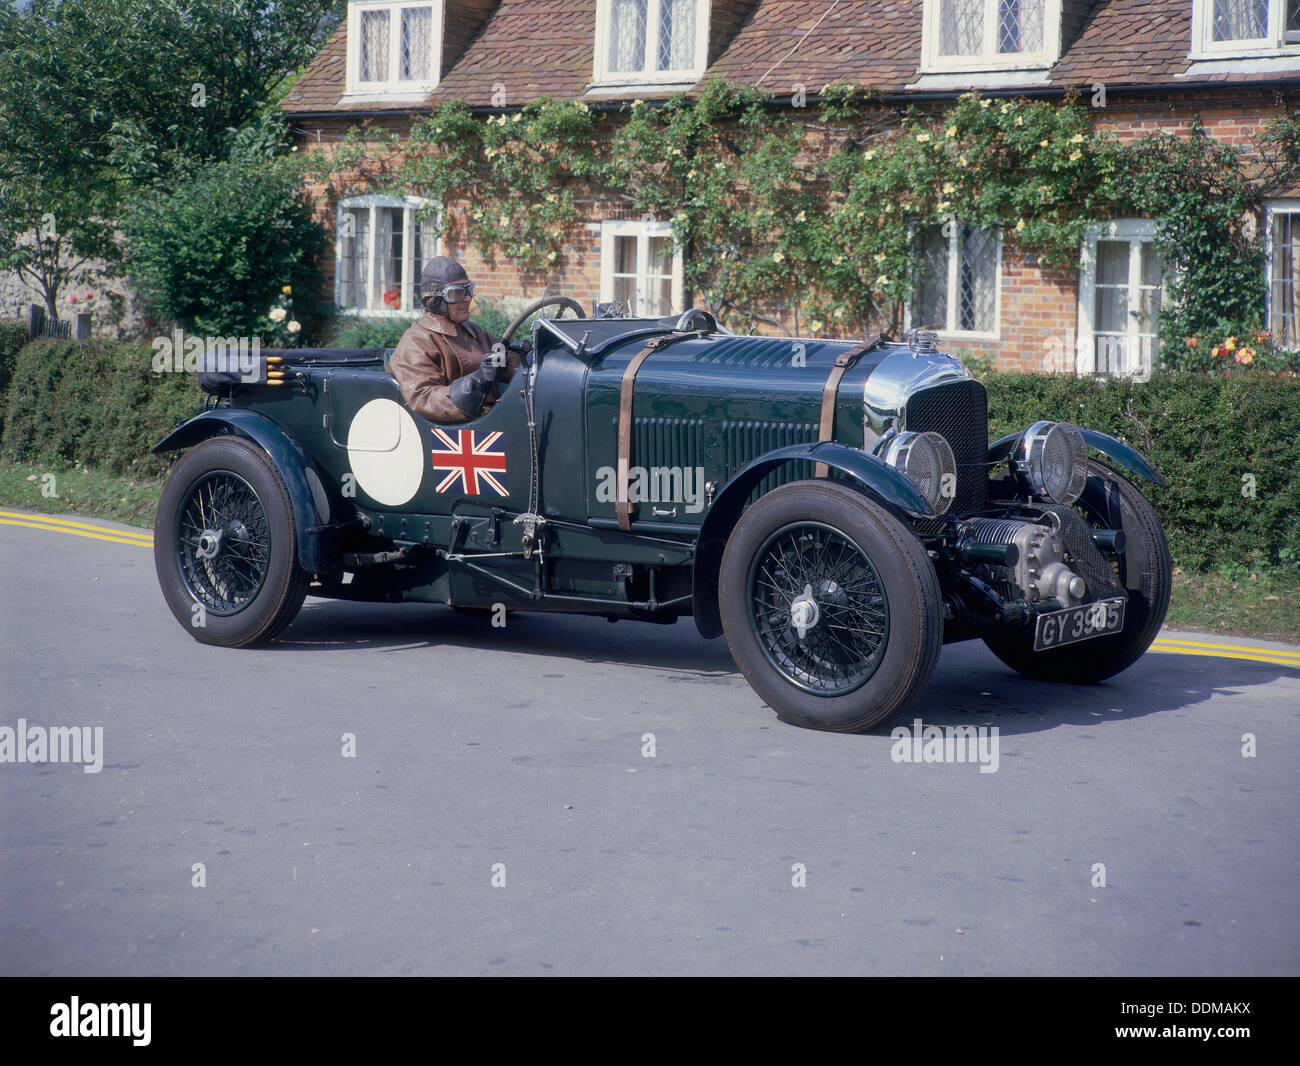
(817, 213)
(215, 251)
(13, 335)
(361, 332)
(96, 95)
(1205, 435)
(1202, 191)
(97, 403)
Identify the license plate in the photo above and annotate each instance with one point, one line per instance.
(1078, 623)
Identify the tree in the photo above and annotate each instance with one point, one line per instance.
(97, 96)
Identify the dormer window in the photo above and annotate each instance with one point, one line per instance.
(1244, 27)
(964, 35)
(651, 41)
(394, 49)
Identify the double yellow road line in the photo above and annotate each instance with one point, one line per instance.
(1228, 651)
(142, 539)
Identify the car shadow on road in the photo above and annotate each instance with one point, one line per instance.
(350, 626)
(974, 688)
(970, 686)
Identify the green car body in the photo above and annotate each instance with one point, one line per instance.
(328, 484)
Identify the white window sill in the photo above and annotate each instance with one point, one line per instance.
(1261, 61)
(981, 79)
(680, 82)
(405, 95)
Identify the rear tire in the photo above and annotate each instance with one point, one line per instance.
(823, 557)
(225, 545)
(1108, 502)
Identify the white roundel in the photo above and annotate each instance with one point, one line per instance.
(385, 453)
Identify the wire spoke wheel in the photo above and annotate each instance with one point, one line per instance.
(818, 608)
(831, 606)
(223, 545)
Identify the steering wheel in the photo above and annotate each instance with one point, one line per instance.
(537, 305)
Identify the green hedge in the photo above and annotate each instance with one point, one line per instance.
(1204, 434)
(13, 335)
(99, 403)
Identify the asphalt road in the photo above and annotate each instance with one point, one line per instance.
(516, 755)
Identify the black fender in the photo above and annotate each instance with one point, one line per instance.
(317, 532)
(1119, 453)
(876, 478)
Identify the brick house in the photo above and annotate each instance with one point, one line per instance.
(1143, 64)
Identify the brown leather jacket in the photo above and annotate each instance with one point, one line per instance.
(432, 354)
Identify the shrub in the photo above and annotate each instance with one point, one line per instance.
(98, 403)
(215, 251)
(358, 331)
(13, 335)
(1205, 435)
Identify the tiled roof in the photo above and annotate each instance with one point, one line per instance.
(538, 48)
(792, 41)
(532, 47)
(1130, 42)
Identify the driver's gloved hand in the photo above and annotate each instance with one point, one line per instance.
(468, 392)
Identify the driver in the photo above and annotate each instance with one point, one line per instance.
(449, 370)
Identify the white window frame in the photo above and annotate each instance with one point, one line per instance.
(954, 290)
(603, 76)
(989, 58)
(643, 231)
(410, 206)
(1275, 43)
(1135, 231)
(1272, 209)
(395, 86)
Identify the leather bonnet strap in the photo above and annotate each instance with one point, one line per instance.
(845, 360)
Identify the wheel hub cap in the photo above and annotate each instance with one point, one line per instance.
(804, 612)
(209, 544)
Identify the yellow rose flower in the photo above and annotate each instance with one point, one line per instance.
(287, 290)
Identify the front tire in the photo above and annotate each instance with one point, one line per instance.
(831, 607)
(1145, 569)
(225, 546)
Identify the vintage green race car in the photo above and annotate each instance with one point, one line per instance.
(835, 509)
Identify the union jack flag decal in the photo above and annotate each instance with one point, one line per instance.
(475, 462)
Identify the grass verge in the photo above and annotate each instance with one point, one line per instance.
(1263, 603)
(81, 491)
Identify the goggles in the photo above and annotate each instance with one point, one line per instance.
(454, 294)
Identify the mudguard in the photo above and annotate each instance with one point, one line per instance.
(316, 532)
(877, 479)
(1121, 454)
